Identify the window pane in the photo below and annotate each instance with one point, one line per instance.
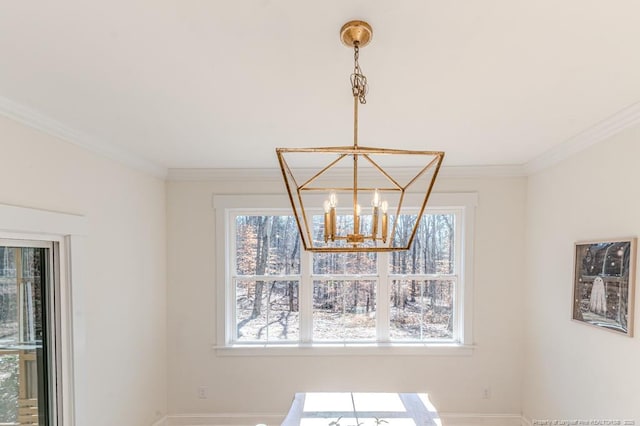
(344, 263)
(432, 251)
(421, 309)
(8, 296)
(24, 386)
(267, 245)
(9, 388)
(267, 311)
(344, 310)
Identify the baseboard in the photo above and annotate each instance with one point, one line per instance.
(225, 419)
(476, 419)
(270, 419)
(526, 421)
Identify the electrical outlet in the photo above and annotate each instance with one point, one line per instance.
(486, 393)
(203, 392)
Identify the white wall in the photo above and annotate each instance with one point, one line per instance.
(124, 293)
(267, 384)
(572, 370)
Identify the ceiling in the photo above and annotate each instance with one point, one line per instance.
(222, 83)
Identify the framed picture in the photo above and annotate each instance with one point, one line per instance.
(603, 285)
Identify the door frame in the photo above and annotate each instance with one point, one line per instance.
(67, 233)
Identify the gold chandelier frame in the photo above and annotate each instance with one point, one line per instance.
(357, 34)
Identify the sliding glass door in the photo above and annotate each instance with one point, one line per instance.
(28, 325)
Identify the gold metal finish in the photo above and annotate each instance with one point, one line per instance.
(355, 238)
(314, 177)
(325, 232)
(356, 33)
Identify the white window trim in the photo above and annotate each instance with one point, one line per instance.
(224, 206)
(67, 231)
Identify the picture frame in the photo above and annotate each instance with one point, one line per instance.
(604, 284)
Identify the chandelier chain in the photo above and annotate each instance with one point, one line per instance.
(359, 85)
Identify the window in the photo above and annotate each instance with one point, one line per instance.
(274, 294)
(27, 324)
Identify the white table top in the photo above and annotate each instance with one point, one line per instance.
(364, 409)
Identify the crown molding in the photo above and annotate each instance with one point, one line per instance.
(507, 170)
(31, 118)
(605, 129)
(600, 132)
(224, 174)
(270, 175)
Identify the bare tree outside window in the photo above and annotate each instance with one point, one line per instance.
(267, 307)
(422, 315)
(421, 308)
(344, 310)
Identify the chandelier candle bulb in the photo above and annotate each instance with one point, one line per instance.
(333, 199)
(356, 220)
(376, 199)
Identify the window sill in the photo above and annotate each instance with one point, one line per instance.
(346, 349)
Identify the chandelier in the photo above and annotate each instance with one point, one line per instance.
(359, 199)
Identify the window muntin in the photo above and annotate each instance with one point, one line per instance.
(343, 288)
